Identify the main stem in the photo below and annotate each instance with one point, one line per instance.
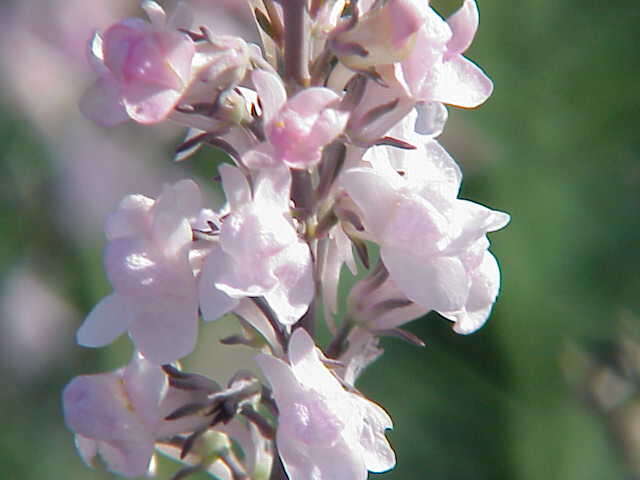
(296, 63)
(296, 73)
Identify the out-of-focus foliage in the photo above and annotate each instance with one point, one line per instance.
(556, 146)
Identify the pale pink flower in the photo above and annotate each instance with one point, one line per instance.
(260, 252)
(324, 431)
(120, 415)
(148, 69)
(435, 70)
(429, 239)
(147, 262)
(299, 128)
(484, 284)
(144, 69)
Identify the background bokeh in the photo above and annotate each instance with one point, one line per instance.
(546, 390)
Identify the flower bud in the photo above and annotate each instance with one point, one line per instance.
(143, 73)
(300, 127)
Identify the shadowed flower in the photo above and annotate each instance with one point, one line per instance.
(147, 262)
(120, 415)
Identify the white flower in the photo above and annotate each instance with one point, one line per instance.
(433, 243)
(325, 432)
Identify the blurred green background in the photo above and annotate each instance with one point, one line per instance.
(546, 390)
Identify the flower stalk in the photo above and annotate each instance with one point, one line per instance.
(330, 127)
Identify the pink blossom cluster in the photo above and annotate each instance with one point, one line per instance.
(330, 126)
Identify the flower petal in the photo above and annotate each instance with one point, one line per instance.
(271, 93)
(443, 172)
(472, 221)
(130, 459)
(95, 54)
(485, 285)
(378, 454)
(337, 462)
(463, 24)
(279, 375)
(311, 100)
(102, 103)
(87, 448)
(431, 118)
(107, 321)
(135, 268)
(214, 302)
(292, 295)
(165, 330)
(309, 370)
(149, 104)
(375, 193)
(155, 13)
(96, 406)
(260, 157)
(236, 186)
(146, 385)
(273, 186)
(437, 283)
(182, 198)
(132, 218)
(461, 83)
